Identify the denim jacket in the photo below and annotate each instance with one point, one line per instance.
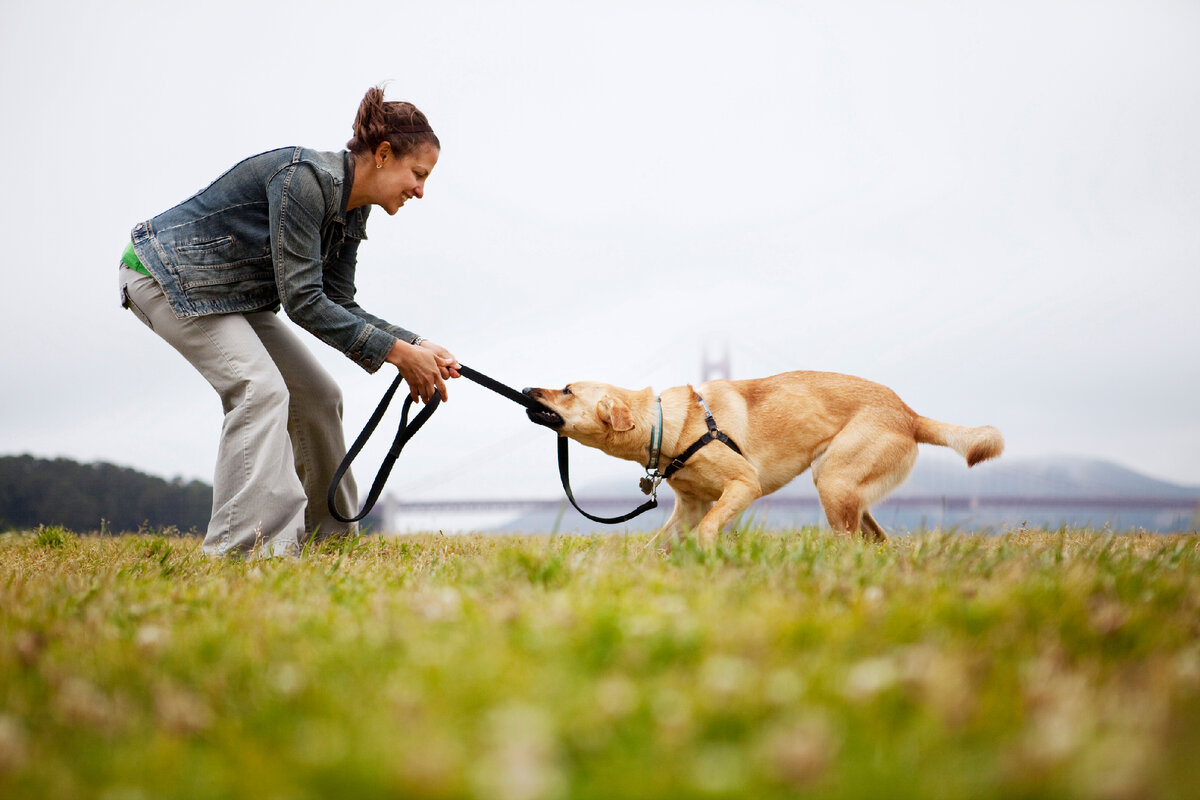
(272, 231)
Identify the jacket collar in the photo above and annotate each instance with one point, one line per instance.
(356, 219)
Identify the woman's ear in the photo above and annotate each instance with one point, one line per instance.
(383, 152)
(615, 413)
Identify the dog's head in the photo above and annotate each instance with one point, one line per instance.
(594, 414)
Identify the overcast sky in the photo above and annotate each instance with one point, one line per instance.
(993, 208)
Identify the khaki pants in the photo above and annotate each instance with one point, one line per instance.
(281, 439)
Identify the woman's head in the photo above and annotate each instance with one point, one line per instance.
(401, 125)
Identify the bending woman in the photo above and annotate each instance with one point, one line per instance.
(282, 229)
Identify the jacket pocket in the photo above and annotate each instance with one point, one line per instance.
(204, 245)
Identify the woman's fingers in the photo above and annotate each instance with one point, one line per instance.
(426, 368)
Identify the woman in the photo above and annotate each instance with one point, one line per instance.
(282, 229)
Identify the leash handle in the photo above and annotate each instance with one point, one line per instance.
(563, 473)
(403, 434)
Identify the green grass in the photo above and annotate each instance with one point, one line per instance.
(1032, 664)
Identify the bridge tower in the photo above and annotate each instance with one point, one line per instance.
(715, 368)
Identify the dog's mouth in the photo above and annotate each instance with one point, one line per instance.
(542, 415)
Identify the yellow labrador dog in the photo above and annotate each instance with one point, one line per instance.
(725, 444)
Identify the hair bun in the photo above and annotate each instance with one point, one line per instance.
(400, 124)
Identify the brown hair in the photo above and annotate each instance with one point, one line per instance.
(400, 124)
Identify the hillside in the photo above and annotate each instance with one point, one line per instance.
(939, 474)
(99, 496)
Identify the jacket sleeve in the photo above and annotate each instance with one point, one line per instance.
(339, 287)
(297, 206)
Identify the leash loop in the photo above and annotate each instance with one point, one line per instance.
(403, 434)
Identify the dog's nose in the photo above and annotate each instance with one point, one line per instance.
(528, 391)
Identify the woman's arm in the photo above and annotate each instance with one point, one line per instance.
(308, 297)
(296, 210)
(339, 286)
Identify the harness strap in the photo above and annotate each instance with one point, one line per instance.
(713, 434)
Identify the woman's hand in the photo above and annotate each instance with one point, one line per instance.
(445, 359)
(424, 368)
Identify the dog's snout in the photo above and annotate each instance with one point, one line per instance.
(542, 415)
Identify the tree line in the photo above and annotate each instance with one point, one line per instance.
(96, 497)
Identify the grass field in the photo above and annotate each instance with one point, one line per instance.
(1031, 664)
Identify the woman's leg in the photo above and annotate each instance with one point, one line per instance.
(315, 425)
(257, 497)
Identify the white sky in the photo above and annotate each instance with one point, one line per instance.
(992, 208)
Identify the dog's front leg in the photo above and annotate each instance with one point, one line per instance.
(685, 516)
(736, 497)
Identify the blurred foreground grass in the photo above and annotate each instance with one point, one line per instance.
(1030, 664)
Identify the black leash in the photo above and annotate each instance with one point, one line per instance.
(563, 473)
(407, 431)
(403, 434)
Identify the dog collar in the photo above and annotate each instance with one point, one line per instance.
(649, 483)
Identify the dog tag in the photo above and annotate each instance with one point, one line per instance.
(647, 485)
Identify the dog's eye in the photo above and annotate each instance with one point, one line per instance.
(566, 390)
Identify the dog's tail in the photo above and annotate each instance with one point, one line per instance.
(973, 444)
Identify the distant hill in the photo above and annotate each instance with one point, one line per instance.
(944, 475)
(102, 496)
(87, 497)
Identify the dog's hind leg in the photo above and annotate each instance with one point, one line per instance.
(843, 508)
(848, 514)
(876, 530)
(857, 470)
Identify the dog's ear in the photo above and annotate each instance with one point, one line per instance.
(615, 413)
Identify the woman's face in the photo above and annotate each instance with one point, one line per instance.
(401, 179)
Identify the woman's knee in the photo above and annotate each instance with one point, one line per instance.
(264, 392)
(323, 392)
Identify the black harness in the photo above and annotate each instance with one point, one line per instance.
(406, 431)
(714, 434)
